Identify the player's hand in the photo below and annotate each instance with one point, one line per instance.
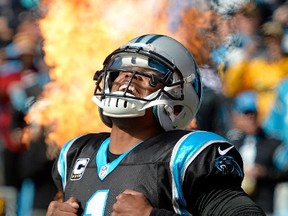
(68, 208)
(131, 203)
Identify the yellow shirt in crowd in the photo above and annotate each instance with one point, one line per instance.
(259, 75)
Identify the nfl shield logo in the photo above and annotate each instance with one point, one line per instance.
(103, 171)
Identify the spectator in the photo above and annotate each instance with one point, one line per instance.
(258, 151)
(281, 15)
(37, 188)
(261, 74)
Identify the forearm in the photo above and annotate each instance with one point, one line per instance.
(162, 212)
(228, 203)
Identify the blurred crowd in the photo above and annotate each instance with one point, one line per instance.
(245, 95)
(244, 100)
(26, 185)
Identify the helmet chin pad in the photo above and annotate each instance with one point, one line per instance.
(120, 107)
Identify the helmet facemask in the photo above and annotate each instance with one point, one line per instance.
(138, 59)
(123, 103)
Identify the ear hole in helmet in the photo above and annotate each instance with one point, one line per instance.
(177, 109)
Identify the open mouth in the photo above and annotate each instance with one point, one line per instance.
(131, 89)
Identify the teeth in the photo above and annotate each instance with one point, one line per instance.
(123, 87)
(130, 88)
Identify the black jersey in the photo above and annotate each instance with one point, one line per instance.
(177, 170)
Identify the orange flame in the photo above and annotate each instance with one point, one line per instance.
(78, 35)
(196, 33)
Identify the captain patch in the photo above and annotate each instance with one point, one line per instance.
(79, 168)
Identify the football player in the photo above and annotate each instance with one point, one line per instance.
(148, 91)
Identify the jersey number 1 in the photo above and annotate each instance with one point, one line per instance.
(95, 206)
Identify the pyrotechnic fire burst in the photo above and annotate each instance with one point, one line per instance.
(78, 35)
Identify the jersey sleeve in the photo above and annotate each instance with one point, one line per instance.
(56, 177)
(207, 173)
(212, 181)
(59, 170)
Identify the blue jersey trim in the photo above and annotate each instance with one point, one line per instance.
(62, 161)
(103, 167)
